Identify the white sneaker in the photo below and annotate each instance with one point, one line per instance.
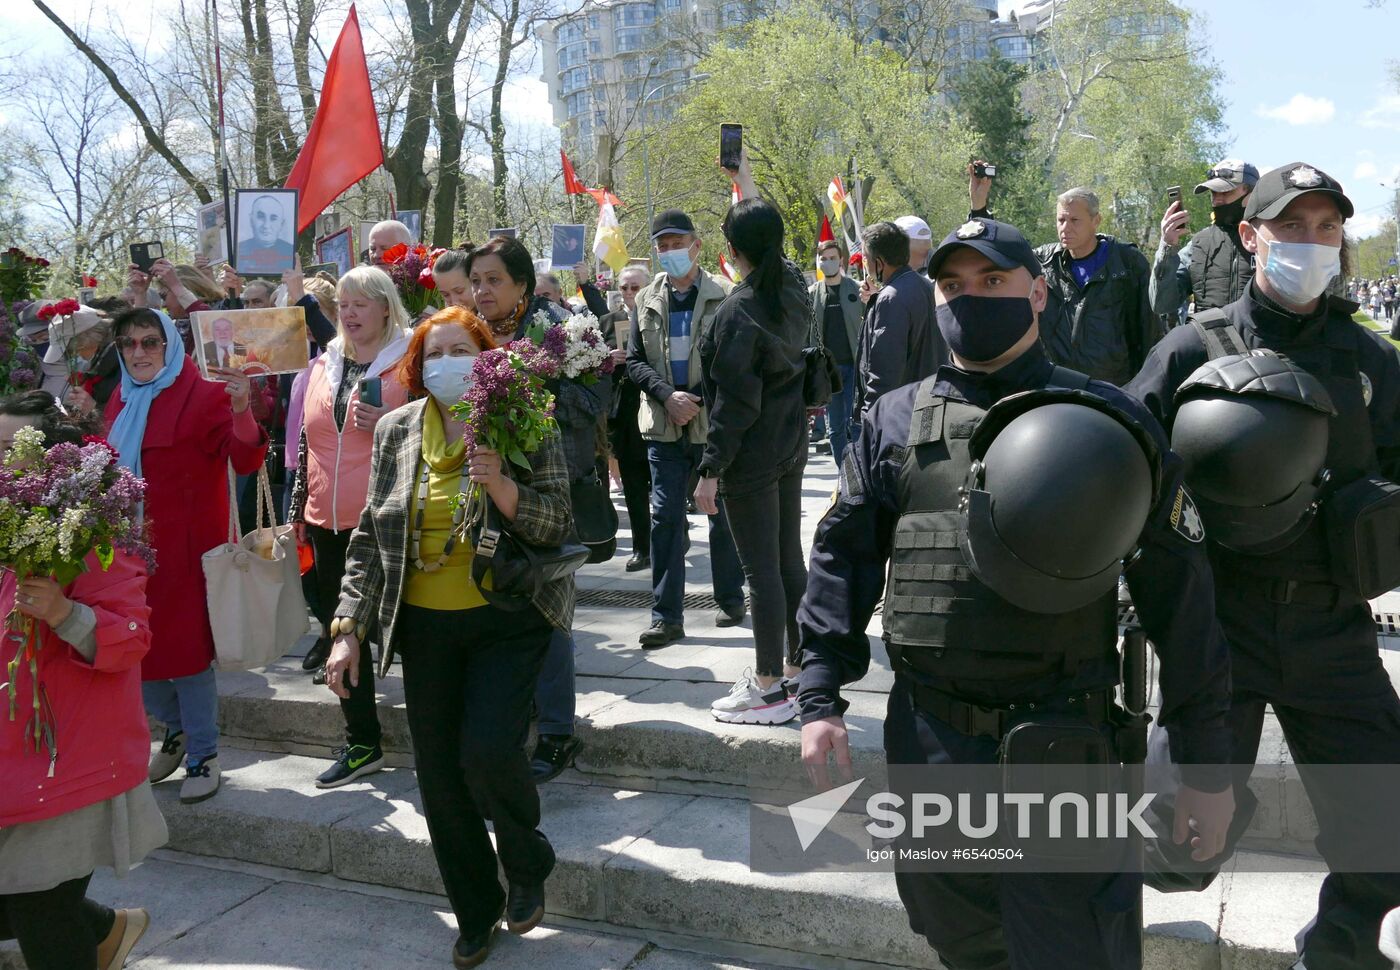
(168, 758)
(747, 703)
(201, 780)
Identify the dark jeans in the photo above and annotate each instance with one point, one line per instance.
(468, 677)
(57, 929)
(1016, 920)
(767, 526)
(630, 450)
(838, 412)
(672, 465)
(361, 715)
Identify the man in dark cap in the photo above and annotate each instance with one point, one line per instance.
(969, 664)
(1301, 632)
(672, 312)
(1213, 266)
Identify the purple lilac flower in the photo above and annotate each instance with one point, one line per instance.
(23, 379)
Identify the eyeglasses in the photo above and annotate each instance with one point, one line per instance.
(149, 344)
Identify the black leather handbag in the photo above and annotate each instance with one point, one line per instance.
(509, 571)
(595, 517)
(820, 378)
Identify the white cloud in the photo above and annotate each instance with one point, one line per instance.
(1385, 113)
(525, 100)
(1301, 109)
(1366, 170)
(1365, 224)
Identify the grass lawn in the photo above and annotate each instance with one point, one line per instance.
(1370, 324)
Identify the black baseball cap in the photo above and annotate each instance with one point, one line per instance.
(671, 221)
(1280, 186)
(1000, 242)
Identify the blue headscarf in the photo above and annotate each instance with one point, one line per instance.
(129, 429)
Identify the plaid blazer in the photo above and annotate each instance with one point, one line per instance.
(376, 563)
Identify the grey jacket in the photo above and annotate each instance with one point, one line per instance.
(900, 343)
(852, 310)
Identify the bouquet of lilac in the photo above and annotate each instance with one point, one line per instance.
(578, 345)
(56, 507)
(507, 408)
(19, 365)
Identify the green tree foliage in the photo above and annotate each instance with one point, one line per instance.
(811, 98)
(987, 97)
(1374, 253)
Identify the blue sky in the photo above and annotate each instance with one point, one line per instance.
(1307, 81)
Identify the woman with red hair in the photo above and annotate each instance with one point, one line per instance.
(469, 669)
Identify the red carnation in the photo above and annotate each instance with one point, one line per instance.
(90, 281)
(42, 262)
(66, 308)
(48, 311)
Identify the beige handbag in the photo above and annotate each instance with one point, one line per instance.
(253, 588)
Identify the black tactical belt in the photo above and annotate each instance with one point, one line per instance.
(1289, 592)
(973, 719)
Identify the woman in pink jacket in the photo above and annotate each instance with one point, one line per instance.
(337, 438)
(93, 805)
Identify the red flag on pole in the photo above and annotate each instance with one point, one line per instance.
(603, 196)
(826, 235)
(343, 145)
(572, 186)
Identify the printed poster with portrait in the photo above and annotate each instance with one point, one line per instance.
(568, 247)
(338, 248)
(265, 240)
(257, 342)
(213, 232)
(413, 220)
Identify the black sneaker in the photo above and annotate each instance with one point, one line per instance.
(553, 753)
(351, 761)
(524, 908)
(470, 951)
(317, 655)
(661, 634)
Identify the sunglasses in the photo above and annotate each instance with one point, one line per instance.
(149, 344)
(1224, 173)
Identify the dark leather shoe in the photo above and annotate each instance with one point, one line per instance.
(524, 908)
(661, 635)
(470, 951)
(320, 650)
(638, 562)
(725, 617)
(553, 753)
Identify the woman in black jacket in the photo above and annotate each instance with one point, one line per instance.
(751, 360)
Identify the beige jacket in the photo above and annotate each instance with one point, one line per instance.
(651, 348)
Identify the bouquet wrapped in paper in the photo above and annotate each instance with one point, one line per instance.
(57, 507)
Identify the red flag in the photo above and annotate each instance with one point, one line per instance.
(603, 196)
(572, 186)
(343, 145)
(826, 235)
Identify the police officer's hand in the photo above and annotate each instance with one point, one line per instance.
(820, 738)
(681, 407)
(1174, 224)
(1204, 818)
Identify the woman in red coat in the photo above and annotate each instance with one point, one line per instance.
(179, 432)
(87, 805)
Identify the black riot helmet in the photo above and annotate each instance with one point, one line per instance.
(1252, 432)
(1062, 483)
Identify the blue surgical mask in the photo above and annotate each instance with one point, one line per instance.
(677, 263)
(447, 378)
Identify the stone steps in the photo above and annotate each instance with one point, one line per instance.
(671, 863)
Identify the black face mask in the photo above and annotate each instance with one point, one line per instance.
(1229, 214)
(982, 328)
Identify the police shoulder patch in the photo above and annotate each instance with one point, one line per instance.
(1186, 520)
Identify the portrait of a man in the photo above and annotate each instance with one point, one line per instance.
(221, 351)
(266, 230)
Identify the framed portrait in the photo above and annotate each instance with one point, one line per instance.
(508, 231)
(337, 248)
(568, 247)
(328, 222)
(258, 342)
(315, 269)
(413, 218)
(365, 228)
(213, 232)
(265, 237)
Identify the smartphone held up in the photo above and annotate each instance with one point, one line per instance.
(731, 145)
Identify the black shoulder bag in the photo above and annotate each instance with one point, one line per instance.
(820, 378)
(509, 571)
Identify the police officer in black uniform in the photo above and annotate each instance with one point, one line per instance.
(1301, 633)
(969, 664)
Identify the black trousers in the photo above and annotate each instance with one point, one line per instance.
(1320, 670)
(361, 715)
(767, 529)
(1012, 921)
(468, 679)
(630, 450)
(57, 929)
